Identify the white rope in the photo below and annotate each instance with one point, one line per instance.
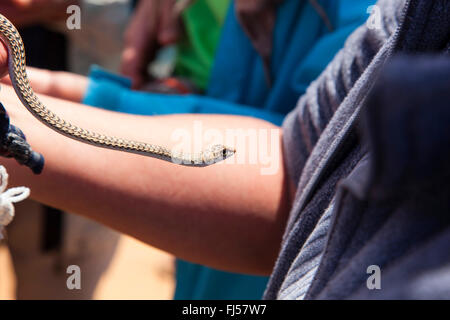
(7, 198)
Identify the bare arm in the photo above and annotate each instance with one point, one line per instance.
(58, 84)
(228, 216)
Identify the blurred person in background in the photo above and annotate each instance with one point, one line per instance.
(251, 58)
(267, 54)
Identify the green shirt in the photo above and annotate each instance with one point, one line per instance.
(203, 22)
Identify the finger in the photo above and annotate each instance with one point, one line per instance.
(3, 60)
(131, 67)
(6, 80)
(170, 26)
(140, 42)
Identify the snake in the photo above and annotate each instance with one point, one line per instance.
(19, 79)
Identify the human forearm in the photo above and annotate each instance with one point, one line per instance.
(59, 84)
(63, 85)
(227, 215)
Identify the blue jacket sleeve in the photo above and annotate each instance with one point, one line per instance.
(112, 92)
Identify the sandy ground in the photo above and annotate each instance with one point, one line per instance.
(137, 271)
(7, 281)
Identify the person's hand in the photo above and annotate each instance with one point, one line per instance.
(3, 60)
(27, 12)
(155, 23)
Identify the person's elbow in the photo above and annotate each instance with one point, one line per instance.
(270, 234)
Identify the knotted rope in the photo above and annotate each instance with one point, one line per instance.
(7, 198)
(13, 144)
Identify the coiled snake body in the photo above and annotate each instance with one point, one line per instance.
(17, 71)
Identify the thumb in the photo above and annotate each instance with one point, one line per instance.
(3, 60)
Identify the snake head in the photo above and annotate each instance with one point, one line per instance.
(217, 153)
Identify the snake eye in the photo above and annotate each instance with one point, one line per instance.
(224, 153)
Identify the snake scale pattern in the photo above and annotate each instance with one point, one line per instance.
(17, 71)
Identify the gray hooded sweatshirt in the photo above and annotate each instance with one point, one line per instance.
(338, 229)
